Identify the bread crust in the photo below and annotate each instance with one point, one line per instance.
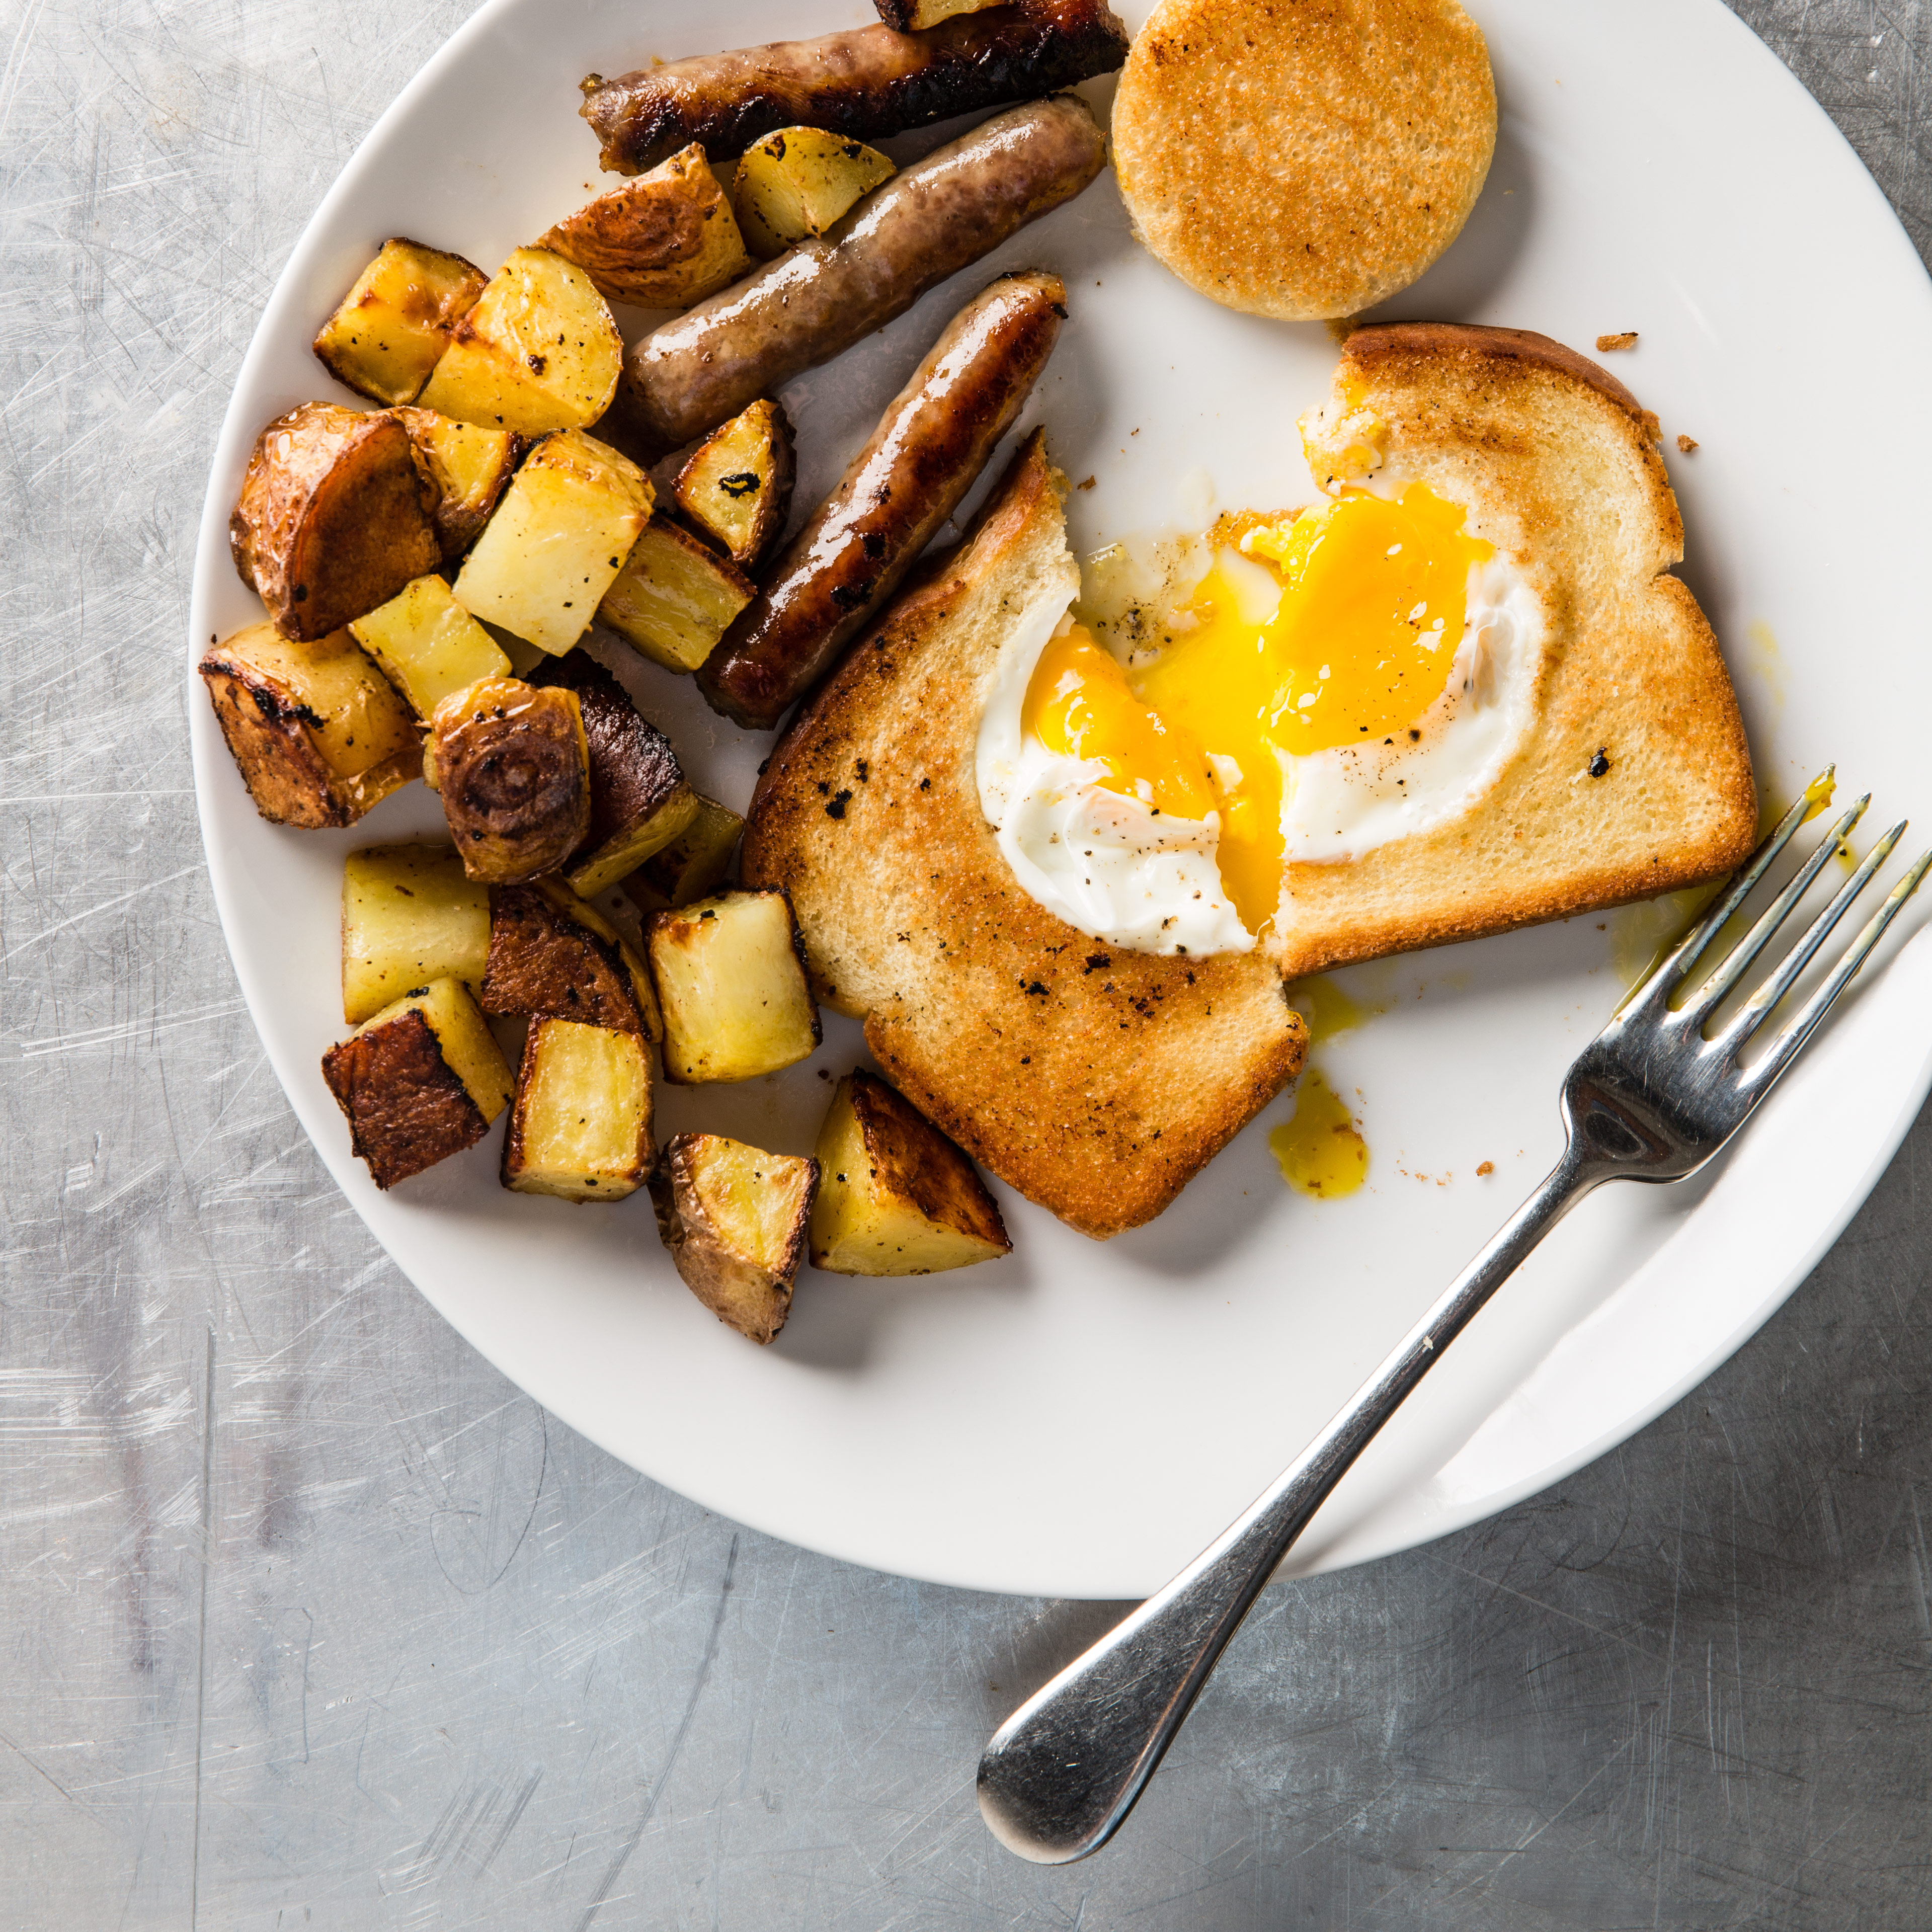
(1095, 1081)
(1559, 465)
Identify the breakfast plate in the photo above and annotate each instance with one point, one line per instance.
(1079, 1419)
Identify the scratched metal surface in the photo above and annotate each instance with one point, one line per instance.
(308, 1618)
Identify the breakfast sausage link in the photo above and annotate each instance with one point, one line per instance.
(933, 441)
(936, 217)
(867, 83)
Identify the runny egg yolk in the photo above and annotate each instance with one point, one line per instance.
(1369, 617)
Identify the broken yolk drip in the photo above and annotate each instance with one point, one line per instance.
(1335, 628)
(1321, 1150)
(1078, 705)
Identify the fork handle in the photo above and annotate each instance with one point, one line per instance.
(1060, 1775)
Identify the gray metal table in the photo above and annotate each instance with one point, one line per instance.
(308, 1618)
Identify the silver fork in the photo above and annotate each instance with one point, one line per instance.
(1650, 1099)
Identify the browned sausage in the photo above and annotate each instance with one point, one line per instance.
(962, 201)
(935, 439)
(869, 82)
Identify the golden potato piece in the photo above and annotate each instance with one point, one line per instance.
(410, 914)
(736, 487)
(730, 979)
(551, 953)
(511, 762)
(673, 598)
(427, 646)
(421, 1081)
(914, 16)
(538, 351)
(763, 245)
(581, 1126)
(333, 519)
(697, 861)
(798, 181)
(665, 239)
(394, 325)
(557, 541)
(317, 730)
(734, 1219)
(471, 466)
(898, 1197)
(639, 799)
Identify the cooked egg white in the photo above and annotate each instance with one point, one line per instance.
(1331, 682)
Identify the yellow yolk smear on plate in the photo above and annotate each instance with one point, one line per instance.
(1322, 1151)
(1355, 644)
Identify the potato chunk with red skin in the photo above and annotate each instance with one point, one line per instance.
(514, 771)
(550, 953)
(734, 1219)
(334, 518)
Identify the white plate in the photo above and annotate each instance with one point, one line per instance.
(1079, 1420)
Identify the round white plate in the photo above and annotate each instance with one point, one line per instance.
(1079, 1420)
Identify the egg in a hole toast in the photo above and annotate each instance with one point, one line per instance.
(1066, 887)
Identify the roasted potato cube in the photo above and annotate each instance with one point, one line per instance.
(581, 1126)
(730, 979)
(539, 351)
(914, 16)
(427, 645)
(551, 953)
(762, 244)
(557, 541)
(898, 1197)
(673, 598)
(736, 488)
(514, 773)
(410, 914)
(665, 239)
(420, 1082)
(471, 467)
(734, 1219)
(695, 862)
(797, 181)
(394, 325)
(317, 731)
(639, 800)
(333, 519)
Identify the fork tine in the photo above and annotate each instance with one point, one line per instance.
(1737, 962)
(1801, 1026)
(1680, 960)
(1759, 1006)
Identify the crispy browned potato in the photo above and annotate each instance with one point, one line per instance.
(421, 1081)
(557, 541)
(410, 914)
(551, 953)
(759, 240)
(697, 861)
(798, 181)
(639, 799)
(427, 646)
(581, 1126)
(898, 1197)
(737, 486)
(318, 734)
(539, 351)
(664, 240)
(673, 598)
(734, 1219)
(394, 325)
(471, 467)
(914, 16)
(514, 773)
(729, 974)
(333, 517)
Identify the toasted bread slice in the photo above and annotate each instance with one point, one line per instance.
(1635, 779)
(1095, 1081)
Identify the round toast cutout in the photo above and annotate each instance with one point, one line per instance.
(1303, 159)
